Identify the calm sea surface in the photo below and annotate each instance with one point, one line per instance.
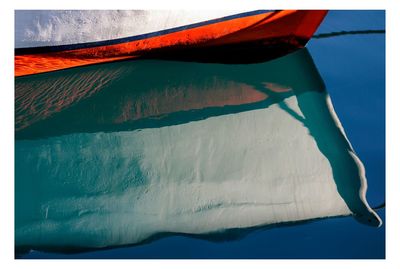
(125, 115)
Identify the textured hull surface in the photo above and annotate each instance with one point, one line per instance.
(222, 39)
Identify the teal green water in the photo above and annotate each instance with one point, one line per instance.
(150, 94)
(90, 174)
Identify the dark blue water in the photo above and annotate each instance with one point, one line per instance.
(352, 68)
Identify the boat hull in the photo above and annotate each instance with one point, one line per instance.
(246, 37)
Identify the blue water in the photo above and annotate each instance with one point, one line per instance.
(353, 70)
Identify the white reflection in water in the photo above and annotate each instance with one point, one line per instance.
(289, 161)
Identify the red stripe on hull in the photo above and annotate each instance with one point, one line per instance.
(269, 26)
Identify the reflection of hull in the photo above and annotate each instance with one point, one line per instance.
(228, 39)
(125, 95)
(275, 158)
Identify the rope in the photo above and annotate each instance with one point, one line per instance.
(360, 32)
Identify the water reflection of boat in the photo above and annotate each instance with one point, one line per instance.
(49, 40)
(168, 158)
(126, 95)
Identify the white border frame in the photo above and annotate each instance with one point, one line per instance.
(392, 129)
